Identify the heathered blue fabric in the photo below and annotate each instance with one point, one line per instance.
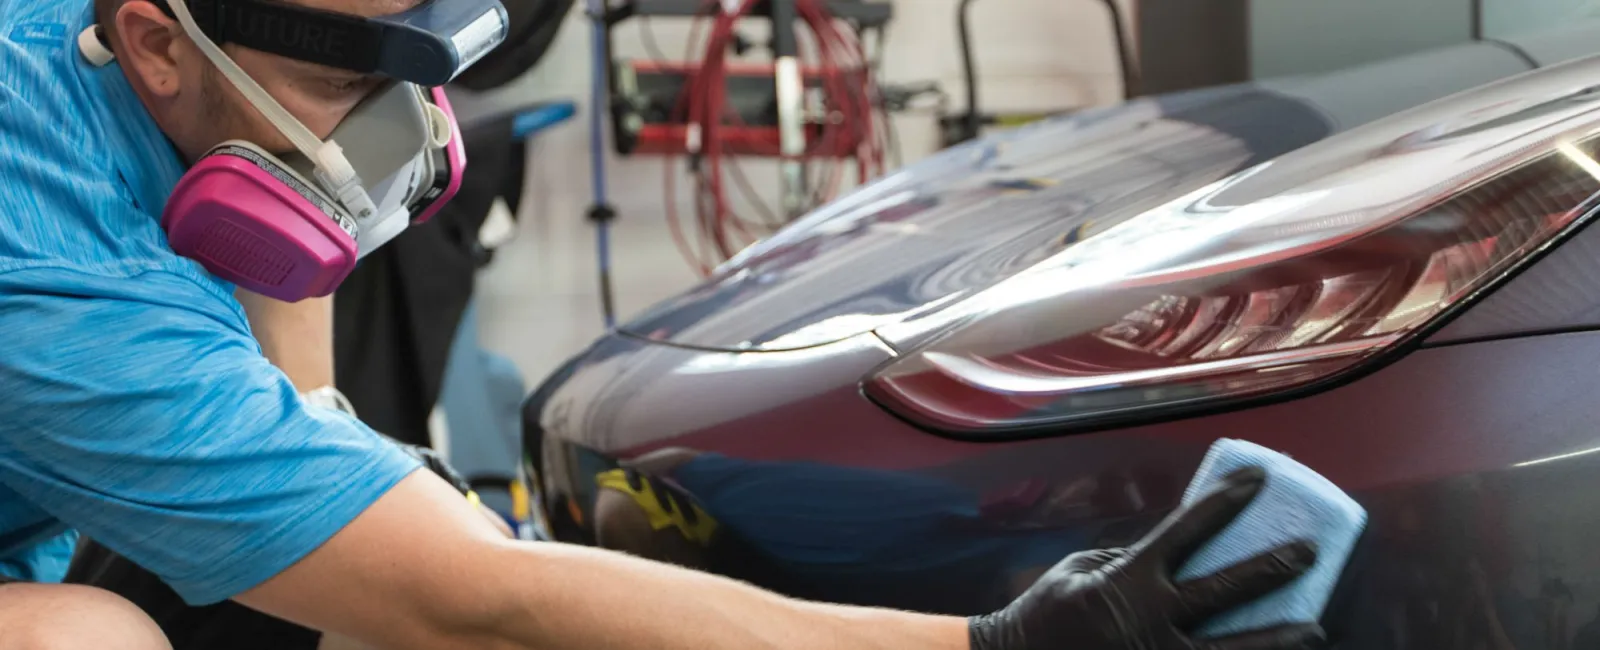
(135, 406)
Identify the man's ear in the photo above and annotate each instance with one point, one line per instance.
(148, 44)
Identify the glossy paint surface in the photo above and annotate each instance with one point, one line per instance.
(937, 231)
(1476, 454)
(1479, 485)
(963, 220)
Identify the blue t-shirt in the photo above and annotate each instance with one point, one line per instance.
(135, 406)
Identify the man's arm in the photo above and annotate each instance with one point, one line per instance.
(297, 337)
(449, 583)
(462, 585)
(419, 570)
(142, 414)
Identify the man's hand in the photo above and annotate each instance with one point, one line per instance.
(1130, 600)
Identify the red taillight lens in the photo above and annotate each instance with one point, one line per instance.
(1285, 295)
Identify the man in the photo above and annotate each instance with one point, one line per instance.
(297, 338)
(137, 408)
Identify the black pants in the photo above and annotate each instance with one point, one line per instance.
(223, 625)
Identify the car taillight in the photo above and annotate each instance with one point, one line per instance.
(1290, 273)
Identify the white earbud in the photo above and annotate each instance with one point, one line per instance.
(93, 48)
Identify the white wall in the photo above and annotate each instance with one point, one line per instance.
(1300, 36)
(539, 300)
(1507, 17)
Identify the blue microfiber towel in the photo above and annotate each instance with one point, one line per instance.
(1296, 503)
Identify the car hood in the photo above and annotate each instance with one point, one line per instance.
(958, 222)
(970, 216)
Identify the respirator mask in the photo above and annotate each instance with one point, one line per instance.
(293, 226)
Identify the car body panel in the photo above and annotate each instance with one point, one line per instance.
(1475, 451)
(1451, 490)
(967, 218)
(928, 235)
(636, 394)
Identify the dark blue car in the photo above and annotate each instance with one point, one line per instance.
(923, 394)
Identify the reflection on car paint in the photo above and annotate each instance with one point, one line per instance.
(958, 231)
(1475, 461)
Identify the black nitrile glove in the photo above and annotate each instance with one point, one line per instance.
(1128, 599)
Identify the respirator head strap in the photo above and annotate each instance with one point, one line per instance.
(427, 45)
(300, 33)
